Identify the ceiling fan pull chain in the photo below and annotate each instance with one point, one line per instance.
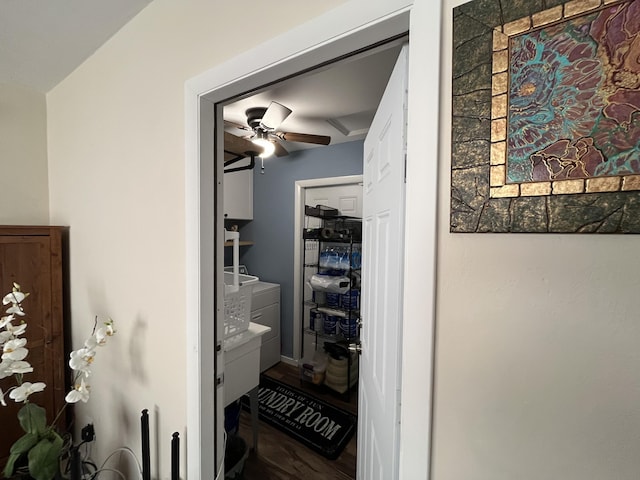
(262, 166)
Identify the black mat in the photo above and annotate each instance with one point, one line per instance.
(313, 422)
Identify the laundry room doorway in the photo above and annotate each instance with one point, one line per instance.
(205, 235)
(374, 226)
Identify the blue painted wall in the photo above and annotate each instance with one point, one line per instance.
(271, 257)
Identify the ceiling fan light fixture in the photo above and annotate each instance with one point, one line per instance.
(268, 148)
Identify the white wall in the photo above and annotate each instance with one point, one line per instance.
(537, 358)
(536, 347)
(116, 161)
(24, 193)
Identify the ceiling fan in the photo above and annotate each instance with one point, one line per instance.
(263, 138)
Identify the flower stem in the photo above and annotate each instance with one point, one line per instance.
(55, 420)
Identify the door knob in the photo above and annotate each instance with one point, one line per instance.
(355, 348)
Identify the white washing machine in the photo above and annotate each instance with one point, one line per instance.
(265, 310)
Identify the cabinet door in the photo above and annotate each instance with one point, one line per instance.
(238, 195)
(34, 261)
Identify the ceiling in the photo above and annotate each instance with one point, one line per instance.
(43, 41)
(338, 100)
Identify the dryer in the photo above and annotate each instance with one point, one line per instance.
(265, 310)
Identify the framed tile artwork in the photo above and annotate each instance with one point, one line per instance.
(546, 116)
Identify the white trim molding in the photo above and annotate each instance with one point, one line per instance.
(352, 26)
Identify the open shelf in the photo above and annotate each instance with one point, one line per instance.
(335, 337)
(331, 314)
(242, 243)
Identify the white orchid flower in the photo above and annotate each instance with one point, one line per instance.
(15, 343)
(101, 336)
(111, 331)
(15, 330)
(91, 342)
(81, 360)
(13, 352)
(22, 393)
(5, 320)
(14, 297)
(5, 368)
(21, 367)
(5, 336)
(16, 309)
(14, 349)
(80, 392)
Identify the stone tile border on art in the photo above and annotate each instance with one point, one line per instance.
(481, 199)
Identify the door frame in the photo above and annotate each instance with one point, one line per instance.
(353, 25)
(300, 190)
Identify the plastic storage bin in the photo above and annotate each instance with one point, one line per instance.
(313, 370)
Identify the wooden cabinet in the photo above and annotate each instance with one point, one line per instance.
(34, 257)
(238, 195)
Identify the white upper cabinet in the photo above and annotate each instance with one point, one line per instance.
(238, 195)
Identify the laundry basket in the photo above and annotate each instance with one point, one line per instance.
(237, 303)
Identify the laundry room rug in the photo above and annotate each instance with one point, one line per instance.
(313, 422)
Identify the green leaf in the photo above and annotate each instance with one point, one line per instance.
(33, 418)
(9, 467)
(44, 458)
(24, 443)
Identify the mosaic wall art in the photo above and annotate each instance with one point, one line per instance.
(546, 116)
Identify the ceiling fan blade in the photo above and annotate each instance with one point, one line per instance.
(239, 126)
(280, 150)
(304, 138)
(274, 116)
(238, 146)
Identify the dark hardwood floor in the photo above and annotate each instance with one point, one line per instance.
(280, 457)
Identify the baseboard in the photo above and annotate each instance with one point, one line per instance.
(289, 360)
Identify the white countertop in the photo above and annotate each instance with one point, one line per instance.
(254, 330)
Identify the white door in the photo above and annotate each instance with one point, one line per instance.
(382, 260)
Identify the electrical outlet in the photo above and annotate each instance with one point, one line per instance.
(88, 433)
